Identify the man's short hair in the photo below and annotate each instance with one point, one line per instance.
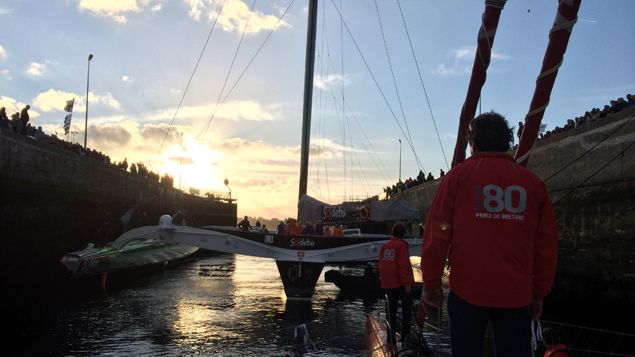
(399, 230)
(490, 132)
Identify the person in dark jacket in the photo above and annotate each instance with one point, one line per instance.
(396, 278)
(244, 225)
(24, 117)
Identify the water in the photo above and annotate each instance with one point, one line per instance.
(220, 304)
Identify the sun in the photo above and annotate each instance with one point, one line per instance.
(193, 166)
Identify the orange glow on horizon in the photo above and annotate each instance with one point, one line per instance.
(194, 165)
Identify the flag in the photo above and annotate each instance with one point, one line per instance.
(67, 123)
(69, 105)
(67, 119)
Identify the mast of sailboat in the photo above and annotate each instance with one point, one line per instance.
(482, 58)
(558, 41)
(308, 95)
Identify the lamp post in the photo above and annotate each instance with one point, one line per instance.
(90, 57)
(226, 182)
(399, 160)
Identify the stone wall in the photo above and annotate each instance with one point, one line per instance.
(54, 200)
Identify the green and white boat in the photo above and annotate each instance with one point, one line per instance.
(138, 248)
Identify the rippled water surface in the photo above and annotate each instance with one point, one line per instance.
(221, 304)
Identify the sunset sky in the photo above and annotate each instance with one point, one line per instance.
(249, 129)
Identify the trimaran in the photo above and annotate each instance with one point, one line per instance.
(300, 258)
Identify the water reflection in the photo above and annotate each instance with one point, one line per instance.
(217, 305)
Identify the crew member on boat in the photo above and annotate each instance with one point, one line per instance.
(495, 219)
(395, 275)
(244, 225)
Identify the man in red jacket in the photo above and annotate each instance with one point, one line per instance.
(495, 221)
(395, 274)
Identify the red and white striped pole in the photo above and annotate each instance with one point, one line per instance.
(558, 40)
(482, 58)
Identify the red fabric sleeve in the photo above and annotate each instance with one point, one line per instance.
(546, 250)
(438, 232)
(405, 268)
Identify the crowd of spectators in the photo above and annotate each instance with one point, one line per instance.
(19, 124)
(594, 114)
(292, 227)
(410, 183)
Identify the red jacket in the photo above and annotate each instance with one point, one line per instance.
(394, 264)
(500, 224)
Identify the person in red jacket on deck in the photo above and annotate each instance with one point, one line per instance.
(396, 278)
(494, 220)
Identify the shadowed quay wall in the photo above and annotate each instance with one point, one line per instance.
(53, 201)
(595, 207)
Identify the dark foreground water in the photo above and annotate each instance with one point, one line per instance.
(221, 305)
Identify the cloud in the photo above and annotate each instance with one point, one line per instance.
(154, 132)
(459, 61)
(234, 15)
(109, 135)
(234, 111)
(54, 100)
(125, 78)
(36, 69)
(11, 105)
(6, 74)
(3, 53)
(331, 80)
(588, 21)
(4, 11)
(118, 10)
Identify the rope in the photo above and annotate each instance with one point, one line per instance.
(394, 81)
(231, 66)
(425, 92)
(240, 77)
(359, 51)
(621, 153)
(591, 149)
(536, 334)
(565, 25)
(308, 342)
(209, 35)
(343, 98)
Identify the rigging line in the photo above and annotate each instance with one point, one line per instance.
(394, 81)
(589, 150)
(380, 168)
(595, 172)
(343, 98)
(355, 155)
(351, 154)
(242, 74)
(231, 66)
(383, 95)
(425, 92)
(320, 111)
(328, 57)
(209, 35)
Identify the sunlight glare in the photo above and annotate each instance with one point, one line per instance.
(193, 166)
